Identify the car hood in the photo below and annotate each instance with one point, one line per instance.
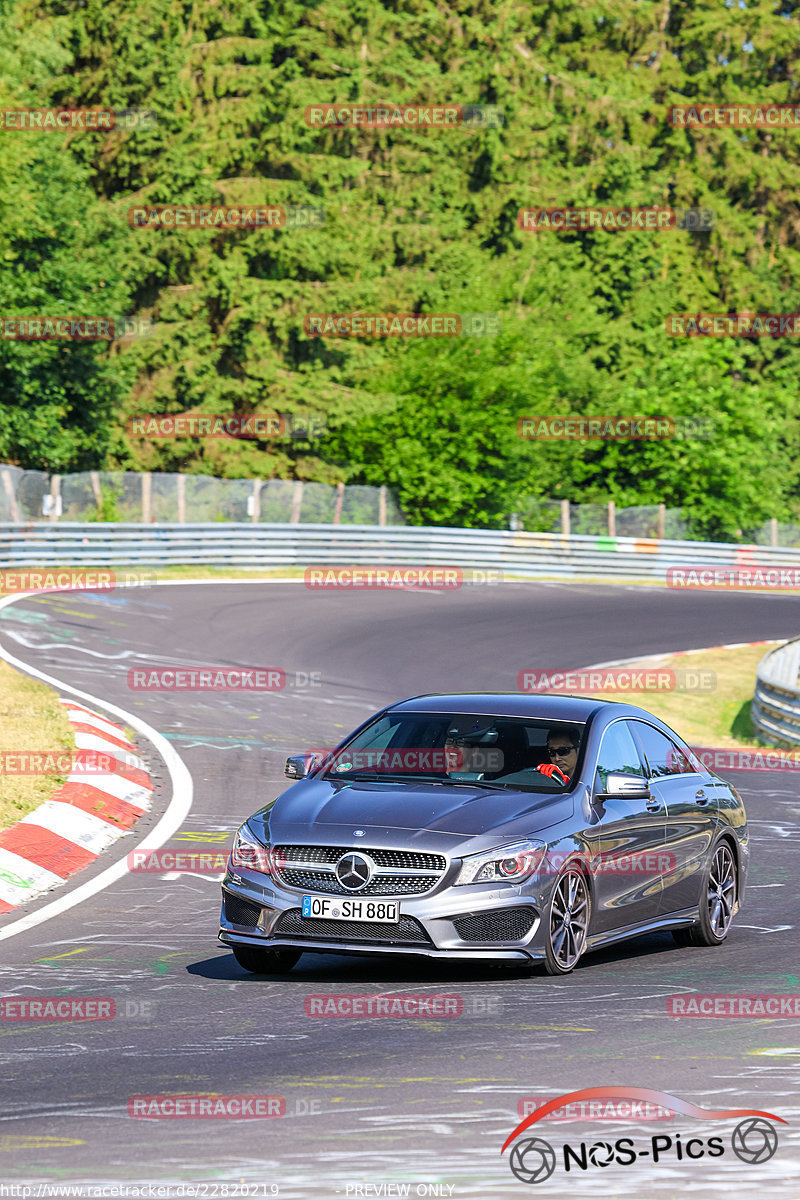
(320, 811)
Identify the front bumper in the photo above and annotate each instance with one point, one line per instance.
(482, 922)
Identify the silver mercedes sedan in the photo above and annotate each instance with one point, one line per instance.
(504, 828)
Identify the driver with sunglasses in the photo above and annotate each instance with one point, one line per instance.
(562, 749)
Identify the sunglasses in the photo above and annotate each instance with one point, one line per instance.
(559, 751)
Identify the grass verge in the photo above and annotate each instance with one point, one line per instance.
(31, 718)
(717, 718)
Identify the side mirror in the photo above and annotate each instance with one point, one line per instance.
(299, 765)
(625, 786)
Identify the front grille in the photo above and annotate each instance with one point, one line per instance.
(241, 912)
(379, 885)
(405, 872)
(502, 925)
(407, 931)
(407, 859)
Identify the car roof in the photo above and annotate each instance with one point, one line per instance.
(507, 704)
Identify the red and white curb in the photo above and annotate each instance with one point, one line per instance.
(83, 818)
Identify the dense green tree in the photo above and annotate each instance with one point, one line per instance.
(59, 256)
(425, 220)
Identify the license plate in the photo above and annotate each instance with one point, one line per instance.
(381, 912)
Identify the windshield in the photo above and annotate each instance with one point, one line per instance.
(504, 752)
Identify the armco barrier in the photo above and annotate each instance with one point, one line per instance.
(775, 710)
(521, 554)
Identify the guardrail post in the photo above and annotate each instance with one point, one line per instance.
(612, 519)
(181, 499)
(146, 481)
(382, 505)
(565, 517)
(773, 531)
(8, 487)
(337, 512)
(297, 502)
(662, 521)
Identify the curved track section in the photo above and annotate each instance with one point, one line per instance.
(369, 1102)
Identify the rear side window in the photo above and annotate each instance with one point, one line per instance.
(618, 752)
(664, 757)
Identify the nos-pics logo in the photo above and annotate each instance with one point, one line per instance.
(533, 1159)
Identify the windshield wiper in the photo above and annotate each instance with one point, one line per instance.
(479, 783)
(408, 777)
(378, 776)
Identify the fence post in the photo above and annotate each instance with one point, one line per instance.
(55, 496)
(382, 505)
(181, 499)
(94, 479)
(146, 497)
(565, 517)
(8, 487)
(612, 519)
(337, 512)
(773, 531)
(297, 502)
(256, 500)
(662, 521)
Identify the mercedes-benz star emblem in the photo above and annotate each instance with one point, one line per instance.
(533, 1161)
(354, 871)
(754, 1140)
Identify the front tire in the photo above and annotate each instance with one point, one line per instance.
(567, 922)
(265, 962)
(717, 902)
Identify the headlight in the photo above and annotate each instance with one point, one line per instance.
(508, 864)
(249, 853)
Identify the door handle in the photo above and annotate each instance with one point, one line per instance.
(653, 804)
(700, 796)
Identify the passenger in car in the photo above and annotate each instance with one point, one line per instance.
(465, 749)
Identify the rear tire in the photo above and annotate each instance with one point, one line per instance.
(265, 962)
(717, 902)
(566, 922)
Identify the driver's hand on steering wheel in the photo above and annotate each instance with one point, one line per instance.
(554, 772)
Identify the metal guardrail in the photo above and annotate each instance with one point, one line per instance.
(244, 544)
(775, 711)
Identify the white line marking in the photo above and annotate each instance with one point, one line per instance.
(176, 812)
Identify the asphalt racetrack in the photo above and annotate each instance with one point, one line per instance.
(374, 1104)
